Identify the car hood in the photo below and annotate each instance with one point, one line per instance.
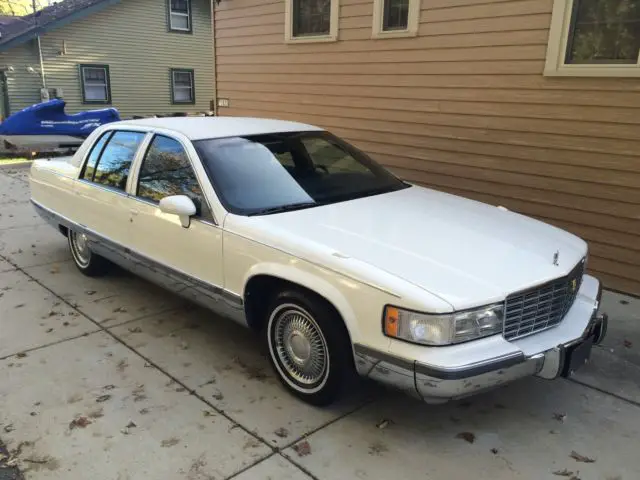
(465, 252)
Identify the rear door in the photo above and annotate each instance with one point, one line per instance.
(101, 189)
(193, 254)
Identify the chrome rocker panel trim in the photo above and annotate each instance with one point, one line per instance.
(434, 384)
(217, 299)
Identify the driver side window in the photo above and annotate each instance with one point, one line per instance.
(165, 171)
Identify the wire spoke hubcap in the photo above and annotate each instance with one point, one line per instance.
(81, 247)
(300, 346)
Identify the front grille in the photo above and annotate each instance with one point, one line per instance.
(541, 307)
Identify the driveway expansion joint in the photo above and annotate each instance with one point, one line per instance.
(190, 391)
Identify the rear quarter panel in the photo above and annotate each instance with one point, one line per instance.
(52, 185)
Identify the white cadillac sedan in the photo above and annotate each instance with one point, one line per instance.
(341, 266)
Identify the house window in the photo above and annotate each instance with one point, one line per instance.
(395, 18)
(96, 87)
(311, 20)
(180, 15)
(395, 15)
(594, 38)
(182, 86)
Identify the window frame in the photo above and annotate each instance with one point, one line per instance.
(413, 21)
(105, 67)
(332, 36)
(85, 163)
(189, 16)
(555, 63)
(190, 71)
(135, 177)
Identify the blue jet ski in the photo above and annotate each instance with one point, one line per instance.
(46, 125)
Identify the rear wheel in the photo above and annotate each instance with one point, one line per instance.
(309, 347)
(87, 262)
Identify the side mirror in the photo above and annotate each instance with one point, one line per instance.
(180, 205)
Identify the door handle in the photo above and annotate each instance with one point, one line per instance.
(134, 212)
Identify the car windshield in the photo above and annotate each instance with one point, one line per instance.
(263, 174)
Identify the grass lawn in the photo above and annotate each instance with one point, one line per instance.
(11, 161)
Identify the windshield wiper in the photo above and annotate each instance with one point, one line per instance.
(284, 208)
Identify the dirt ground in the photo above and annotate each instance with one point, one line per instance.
(113, 378)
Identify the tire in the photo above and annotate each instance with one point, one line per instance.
(309, 347)
(89, 263)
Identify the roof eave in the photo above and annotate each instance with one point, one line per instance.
(72, 17)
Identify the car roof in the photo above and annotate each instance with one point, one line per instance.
(199, 128)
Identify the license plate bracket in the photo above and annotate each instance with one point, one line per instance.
(577, 355)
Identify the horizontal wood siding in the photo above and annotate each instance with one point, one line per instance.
(131, 37)
(463, 108)
(23, 87)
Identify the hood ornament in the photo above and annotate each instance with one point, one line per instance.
(555, 257)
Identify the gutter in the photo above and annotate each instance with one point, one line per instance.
(42, 74)
(215, 57)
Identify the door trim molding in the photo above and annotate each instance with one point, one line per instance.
(213, 297)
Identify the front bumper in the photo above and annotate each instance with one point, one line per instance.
(438, 384)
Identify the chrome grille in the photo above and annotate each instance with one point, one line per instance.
(541, 307)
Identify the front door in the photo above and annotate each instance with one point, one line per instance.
(190, 258)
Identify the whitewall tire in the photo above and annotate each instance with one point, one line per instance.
(308, 347)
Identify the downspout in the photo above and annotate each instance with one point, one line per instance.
(35, 19)
(44, 80)
(215, 58)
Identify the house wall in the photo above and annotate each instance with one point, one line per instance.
(24, 87)
(132, 37)
(463, 107)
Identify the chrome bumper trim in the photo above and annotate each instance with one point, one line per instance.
(442, 373)
(435, 384)
(470, 370)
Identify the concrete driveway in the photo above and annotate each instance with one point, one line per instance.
(113, 378)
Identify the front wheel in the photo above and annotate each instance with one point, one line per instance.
(87, 262)
(309, 347)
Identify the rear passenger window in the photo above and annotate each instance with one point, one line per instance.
(90, 166)
(115, 161)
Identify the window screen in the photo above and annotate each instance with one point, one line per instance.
(95, 84)
(604, 31)
(182, 86)
(180, 15)
(311, 17)
(396, 15)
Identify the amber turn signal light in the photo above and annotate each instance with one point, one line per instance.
(391, 321)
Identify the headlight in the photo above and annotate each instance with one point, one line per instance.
(443, 329)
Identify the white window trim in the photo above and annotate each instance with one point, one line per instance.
(333, 25)
(180, 14)
(92, 83)
(413, 21)
(556, 50)
(175, 87)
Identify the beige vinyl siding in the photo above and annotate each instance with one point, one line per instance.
(463, 108)
(23, 87)
(132, 37)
